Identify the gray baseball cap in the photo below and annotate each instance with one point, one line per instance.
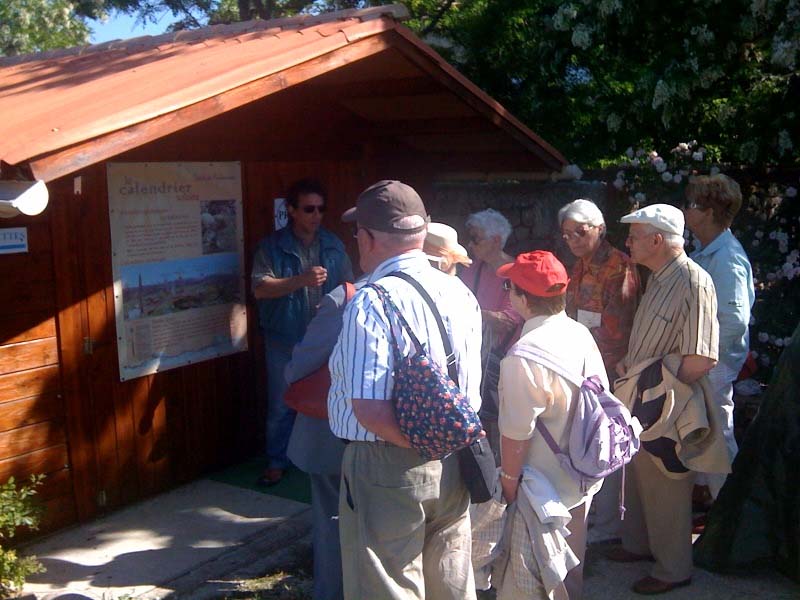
(384, 204)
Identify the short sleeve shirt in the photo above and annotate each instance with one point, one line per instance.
(677, 314)
(362, 362)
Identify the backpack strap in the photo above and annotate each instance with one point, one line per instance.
(391, 309)
(448, 348)
(547, 360)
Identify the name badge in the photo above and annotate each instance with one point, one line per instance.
(589, 319)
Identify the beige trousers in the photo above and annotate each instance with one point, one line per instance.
(658, 518)
(530, 587)
(404, 526)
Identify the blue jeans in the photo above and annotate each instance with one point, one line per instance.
(280, 418)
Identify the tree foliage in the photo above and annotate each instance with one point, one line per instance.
(594, 77)
(35, 25)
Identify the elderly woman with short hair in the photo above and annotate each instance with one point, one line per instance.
(603, 294)
(604, 285)
(488, 231)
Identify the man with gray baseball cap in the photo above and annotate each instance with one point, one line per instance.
(403, 520)
(677, 315)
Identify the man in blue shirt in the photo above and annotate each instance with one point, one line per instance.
(712, 202)
(292, 270)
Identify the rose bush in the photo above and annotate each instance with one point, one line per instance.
(768, 227)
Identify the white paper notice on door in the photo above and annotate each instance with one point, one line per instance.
(589, 319)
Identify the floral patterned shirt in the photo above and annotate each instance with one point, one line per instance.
(610, 287)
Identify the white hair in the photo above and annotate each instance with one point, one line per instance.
(400, 241)
(491, 223)
(673, 240)
(581, 211)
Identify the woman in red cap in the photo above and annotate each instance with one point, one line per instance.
(547, 497)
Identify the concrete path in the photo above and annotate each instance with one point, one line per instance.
(174, 542)
(198, 540)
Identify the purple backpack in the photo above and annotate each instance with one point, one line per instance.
(603, 436)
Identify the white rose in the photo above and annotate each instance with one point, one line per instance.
(759, 234)
(619, 183)
(640, 197)
(677, 178)
(787, 340)
(635, 162)
(660, 165)
(763, 337)
(666, 176)
(779, 342)
(629, 152)
(791, 192)
(755, 243)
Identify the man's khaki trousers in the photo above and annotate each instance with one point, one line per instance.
(404, 526)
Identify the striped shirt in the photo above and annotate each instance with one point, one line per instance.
(677, 314)
(362, 361)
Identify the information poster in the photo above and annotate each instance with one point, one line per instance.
(177, 256)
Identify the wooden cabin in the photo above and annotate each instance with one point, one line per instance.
(348, 98)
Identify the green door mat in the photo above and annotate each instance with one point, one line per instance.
(294, 485)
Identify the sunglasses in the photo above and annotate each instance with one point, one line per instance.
(310, 208)
(577, 234)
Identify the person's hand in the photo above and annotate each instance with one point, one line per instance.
(509, 489)
(314, 277)
(620, 369)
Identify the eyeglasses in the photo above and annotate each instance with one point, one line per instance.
(310, 208)
(577, 234)
(695, 205)
(507, 285)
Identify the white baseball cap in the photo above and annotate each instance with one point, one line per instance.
(661, 216)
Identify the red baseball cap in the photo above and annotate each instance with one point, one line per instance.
(539, 273)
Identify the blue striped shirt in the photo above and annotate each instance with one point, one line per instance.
(362, 361)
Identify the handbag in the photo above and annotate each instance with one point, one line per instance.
(309, 395)
(475, 459)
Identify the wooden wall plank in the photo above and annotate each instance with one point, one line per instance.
(33, 382)
(27, 411)
(31, 438)
(47, 460)
(28, 296)
(28, 355)
(22, 327)
(34, 266)
(65, 217)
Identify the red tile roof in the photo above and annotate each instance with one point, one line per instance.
(56, 101)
